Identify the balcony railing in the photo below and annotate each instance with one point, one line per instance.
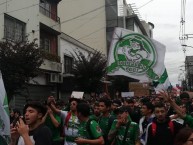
(49, 14)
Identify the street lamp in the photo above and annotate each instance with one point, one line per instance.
(186, 45)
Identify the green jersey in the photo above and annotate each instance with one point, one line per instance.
(94, 117)
(94, 129)
(55, 130)
(189, 120)
(104, 125)
(132, 134)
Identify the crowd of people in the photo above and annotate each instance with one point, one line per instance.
(158, 120)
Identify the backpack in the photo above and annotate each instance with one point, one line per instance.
(154, 127)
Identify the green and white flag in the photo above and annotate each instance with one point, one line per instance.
(4, 115)
(137, 56)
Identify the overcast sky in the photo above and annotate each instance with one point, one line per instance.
(166, 16)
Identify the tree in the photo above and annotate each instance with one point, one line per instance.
(19, 62)
(89, 70)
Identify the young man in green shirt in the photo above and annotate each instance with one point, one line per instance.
(123, 131)
(106, 119)
(89, 131)
(53, 121)
(96, 112)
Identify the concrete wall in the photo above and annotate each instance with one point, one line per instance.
(89, 29)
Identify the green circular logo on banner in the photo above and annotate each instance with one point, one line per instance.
(135, 54)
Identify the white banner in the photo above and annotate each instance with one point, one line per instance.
(136, 56)
(4, 115)
(127, 94)
(78, 95)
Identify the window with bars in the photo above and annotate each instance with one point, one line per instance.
(14, 29)
(49, 9)
(45, 8)
(68, 62)
(45, 44)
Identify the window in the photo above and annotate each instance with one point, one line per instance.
(14, 29)
(45, 43)
(49, 9)
(45, 8)
(68, 61)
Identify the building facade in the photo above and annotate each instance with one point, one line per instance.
(37, 19)
(69, 48)
(92, 22)
(85, 21)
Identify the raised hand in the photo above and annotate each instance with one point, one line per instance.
(22, 128)
(166, 96)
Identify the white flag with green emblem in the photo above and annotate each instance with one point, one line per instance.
(4, 115)
(137, 56)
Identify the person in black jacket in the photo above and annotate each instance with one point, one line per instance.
(162, 130)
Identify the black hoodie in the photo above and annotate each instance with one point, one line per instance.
(163, 134)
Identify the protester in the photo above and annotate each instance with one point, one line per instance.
(147, 112)
(70, 120)
(134, 111)
(31, 131)
(114, 105)
(53, 121)
(123, 131)
(96, 112)
(162, 130)
(89, 131)
(106, 119)
(188, 119)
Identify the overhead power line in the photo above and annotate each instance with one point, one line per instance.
(20, 9)
(145, 4)
(80, 15)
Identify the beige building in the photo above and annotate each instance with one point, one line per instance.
(84, 20)
(92, 22)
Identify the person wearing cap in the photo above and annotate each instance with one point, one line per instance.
(31, 131)
(134, 111)
(70, 121)
(123, 131)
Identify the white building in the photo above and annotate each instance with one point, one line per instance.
(37, 19)
(69, 47)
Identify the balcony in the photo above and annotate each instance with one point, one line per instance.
(49, 19)
(51, 66)
(49, 14)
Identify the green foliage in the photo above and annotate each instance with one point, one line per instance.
(89, 70)
(19, 62)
